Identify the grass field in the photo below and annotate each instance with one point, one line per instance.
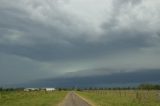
(122, 98)
(39, 98)
(97, 97)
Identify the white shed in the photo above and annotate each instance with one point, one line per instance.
(50, 89)
(31, 89)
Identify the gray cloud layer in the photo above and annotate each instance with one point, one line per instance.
(60, 36)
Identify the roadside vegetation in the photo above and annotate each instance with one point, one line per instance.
(122, 97)
(143, 95)
(34, 98)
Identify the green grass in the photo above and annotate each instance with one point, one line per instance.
(122, 98)
(38, 98)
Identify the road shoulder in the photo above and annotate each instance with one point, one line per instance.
(85, 99)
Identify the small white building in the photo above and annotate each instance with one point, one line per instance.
(50, 89)
(39, 89)
(31, 89)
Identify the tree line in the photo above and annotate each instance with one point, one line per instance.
(140, 87)
(149, 86)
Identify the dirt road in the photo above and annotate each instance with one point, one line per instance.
(74, 100)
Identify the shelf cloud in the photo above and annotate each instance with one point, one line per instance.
(48, 38)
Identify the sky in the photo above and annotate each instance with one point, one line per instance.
(42, 39)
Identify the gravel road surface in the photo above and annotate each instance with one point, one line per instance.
(74, 100)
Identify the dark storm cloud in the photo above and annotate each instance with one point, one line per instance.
(48, 52)
(53, 32)
(118, 79)
(54, 42)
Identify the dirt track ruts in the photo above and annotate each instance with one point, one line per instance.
(74, 100)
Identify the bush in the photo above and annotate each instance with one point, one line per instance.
(149, 87)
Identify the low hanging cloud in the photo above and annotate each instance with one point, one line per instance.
(84, 33)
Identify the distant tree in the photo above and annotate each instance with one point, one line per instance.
(90, 88)
(149, 87)
(78, 89)
(157, 87)
(59, 89)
